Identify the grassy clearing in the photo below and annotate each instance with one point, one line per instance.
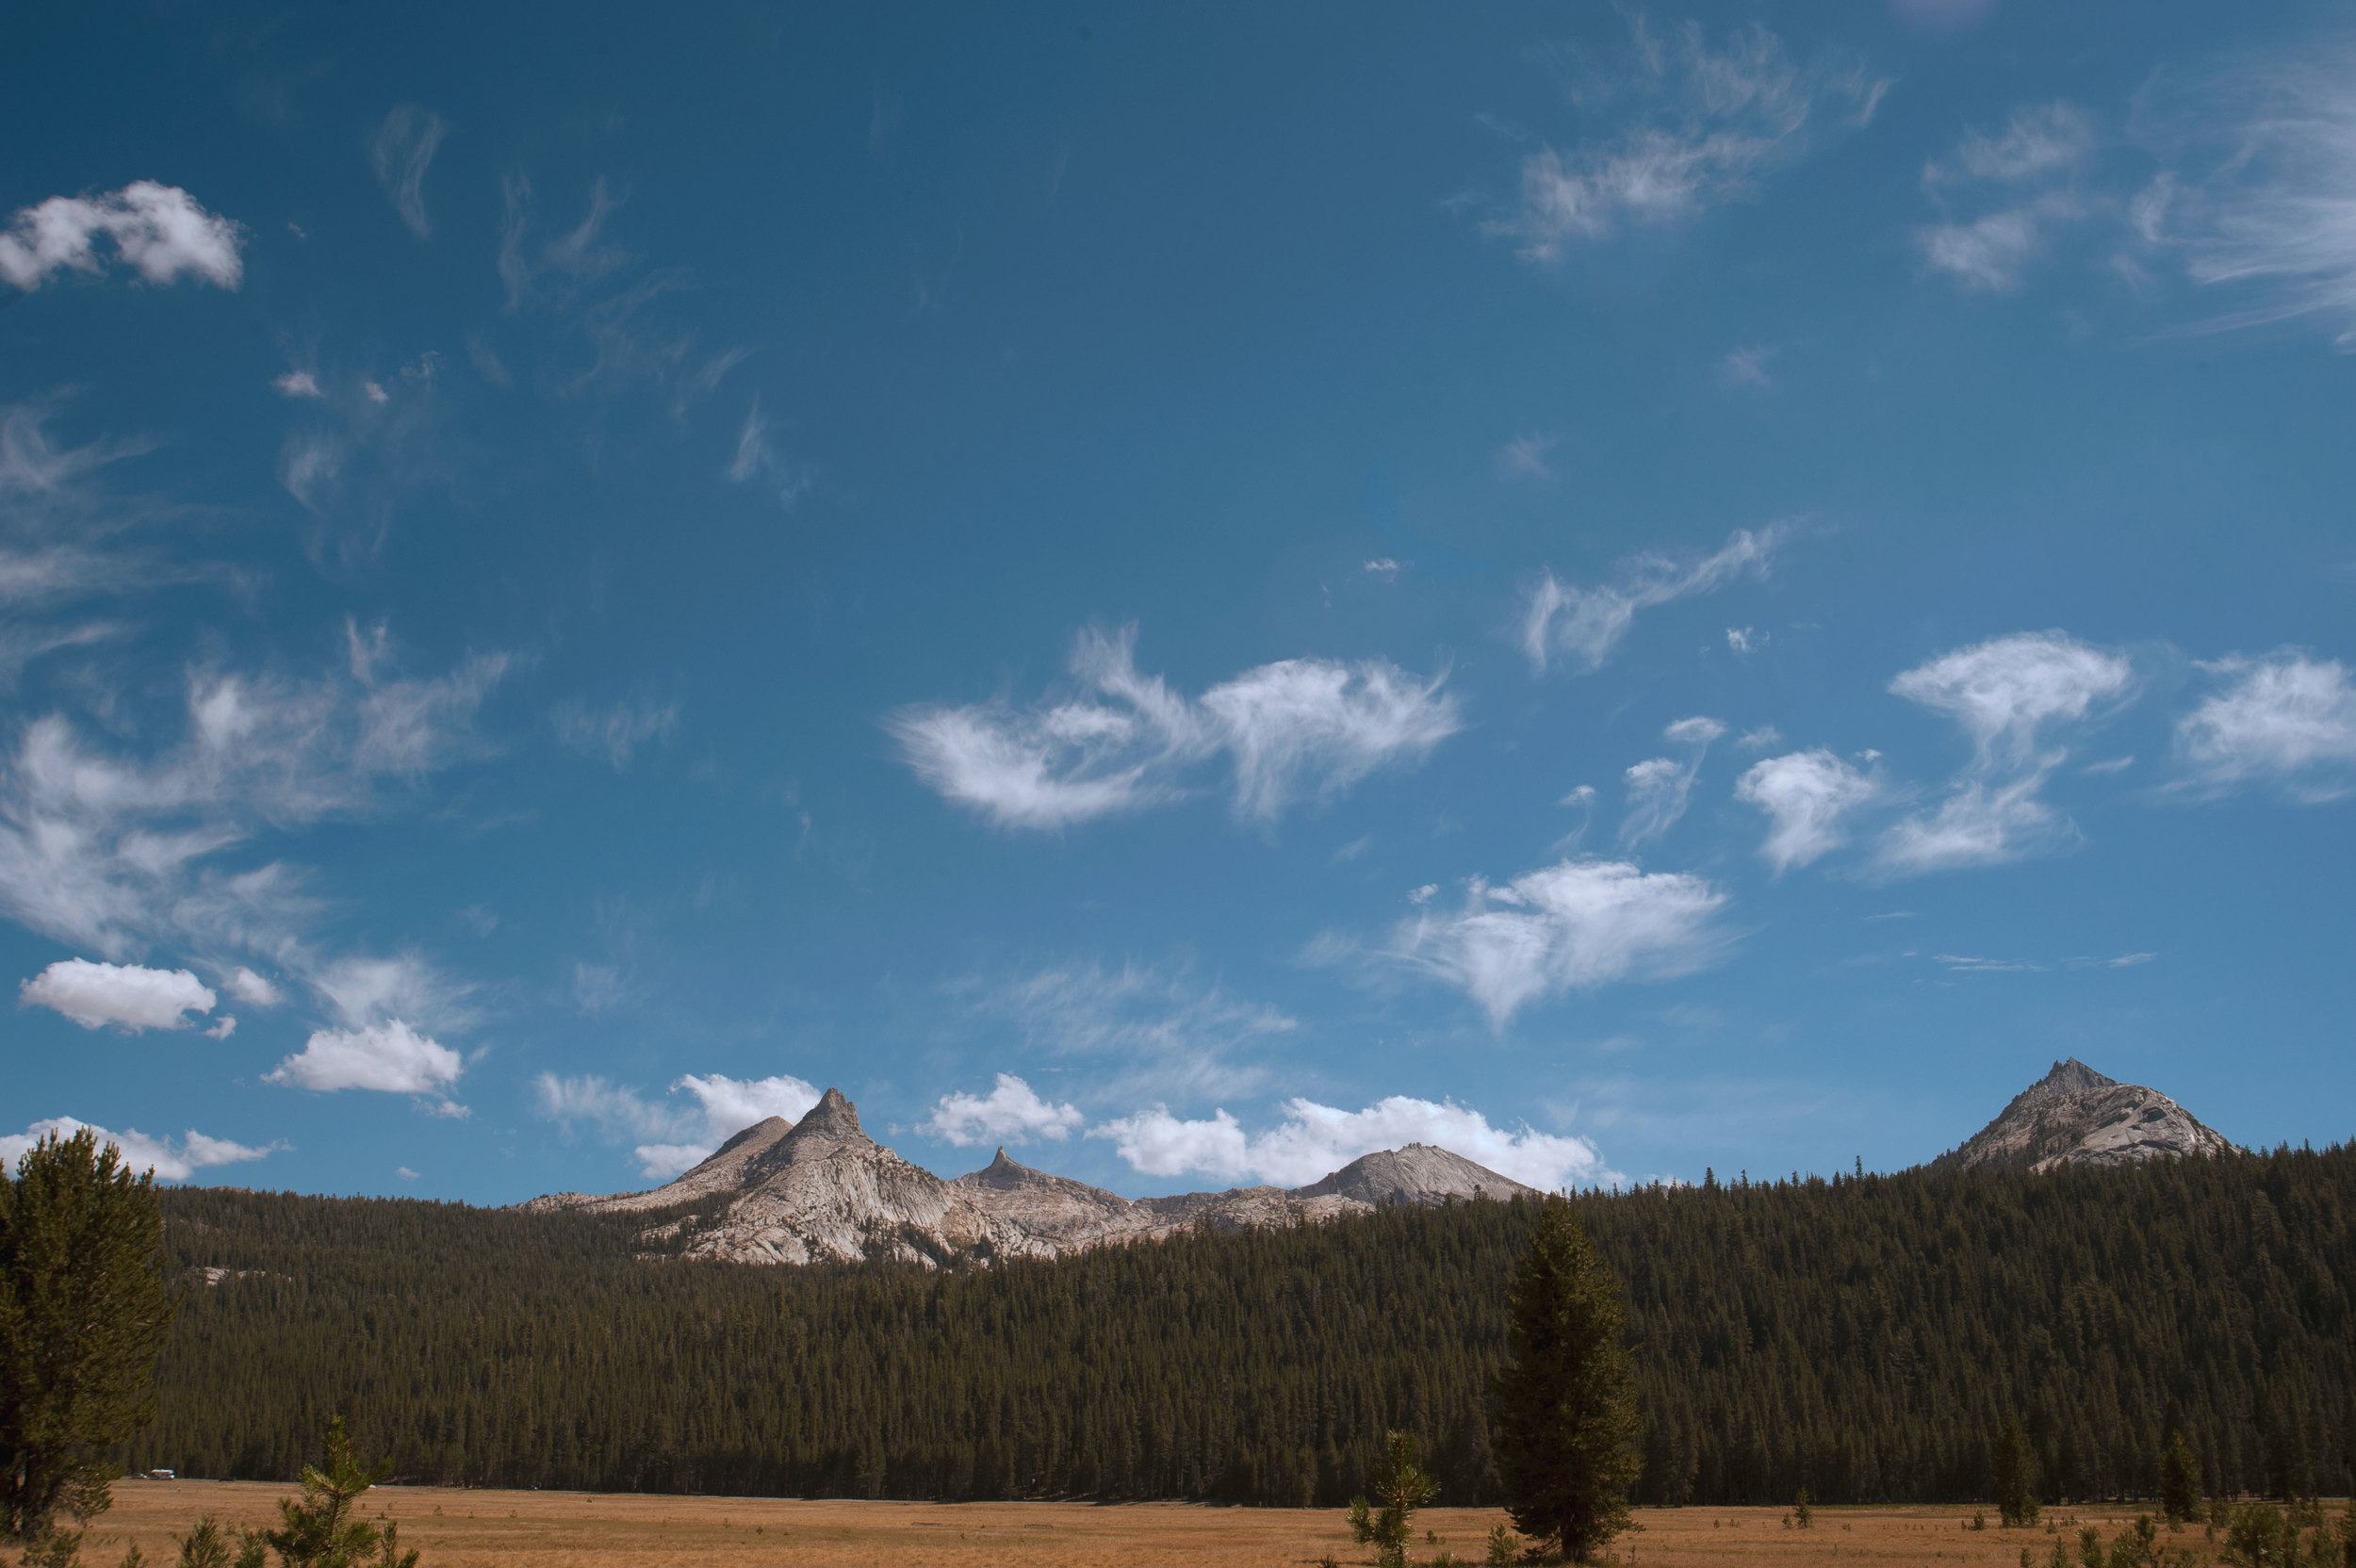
(573, 1530)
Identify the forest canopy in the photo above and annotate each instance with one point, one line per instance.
(1860, 1337)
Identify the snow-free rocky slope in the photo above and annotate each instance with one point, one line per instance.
(2075, 1115)
(821, 1189)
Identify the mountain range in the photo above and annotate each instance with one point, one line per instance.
(820, 1190)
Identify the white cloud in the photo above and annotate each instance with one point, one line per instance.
(158, 229)
(615, 732)
(1586, 623)
(1315, 1140)
(1748, 367)
(2287, 719)
(1383, 568)
(124, 995)
(138, 1151)
(1526, 457)
(298, 384)
(2029, 173)
(1807, 796)
(756, 458)
(2038, 142)
(1743, 641)
(1569, 926)
(1981, 824)
(1660, 788)
(2006, 693)
(250, 989)
(389, 1057)
(2274, 218)
(1010, 1113)
(1702, 124)
(677, 1136)
(1298, 729)
(400, 152)
(1992, 252)
(113, 851)
(1170, 1031)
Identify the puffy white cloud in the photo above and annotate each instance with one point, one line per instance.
(2006, 693)
(1010, 1113)
(2287, 720)
(401, 150)
(1660, 788)
(677, 1136)
(158, 229)
(1701, 124)
(1315, 1140)
(1569, 926)
(389, 1057)
(616, 732)
(1807, 796)
(138, 1151)
(252, 989)
(1586, 623)
(124, 995)
(1294, 729)
(298, 384)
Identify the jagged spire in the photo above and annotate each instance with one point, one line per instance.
(834, 1115)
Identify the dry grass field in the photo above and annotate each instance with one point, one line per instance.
(572, 1529)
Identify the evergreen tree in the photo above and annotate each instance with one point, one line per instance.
(1400, 1486)
(83, 1317)
(2180, 1480)
(2015, 1470)
(1566, 1425)
(320, 1531)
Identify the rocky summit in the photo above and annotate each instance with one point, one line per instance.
(821, 1189)
(2075, 1115)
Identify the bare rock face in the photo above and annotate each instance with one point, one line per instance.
(2075, 1115)
(821, 1189)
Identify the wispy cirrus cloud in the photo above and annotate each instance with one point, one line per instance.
(617, 731)
(158, 230)
(2259, 196)
(1573, 926)
(400, 151)
(1298, 729)
(1583, 625)
(1683, 125)
(2287, 720)
(1660, 788)
(1166, 1029)
(2008, 694)
(2026, 179)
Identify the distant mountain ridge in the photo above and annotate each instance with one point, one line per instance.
(822, 1190)
(2075, 1115)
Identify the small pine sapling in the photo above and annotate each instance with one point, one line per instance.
(1503, 1547)
(1400, 1486)
(320, 1531)
(1803, 1511)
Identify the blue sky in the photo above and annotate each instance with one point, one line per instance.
(1195, 594)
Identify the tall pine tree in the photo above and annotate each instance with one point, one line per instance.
(1566, 1425)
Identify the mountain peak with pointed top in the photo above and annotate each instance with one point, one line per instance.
(2076, 1116)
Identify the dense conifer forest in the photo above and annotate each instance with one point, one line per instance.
(1860, 1337)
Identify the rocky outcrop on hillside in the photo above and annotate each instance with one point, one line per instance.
(821, 1189)
(2075, 1115)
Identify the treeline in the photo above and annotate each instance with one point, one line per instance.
(1859, 1337)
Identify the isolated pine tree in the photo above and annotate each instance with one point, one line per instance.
(1566, 1425)
(83, 1317)
(2015, 1470)
(2180, 1480)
